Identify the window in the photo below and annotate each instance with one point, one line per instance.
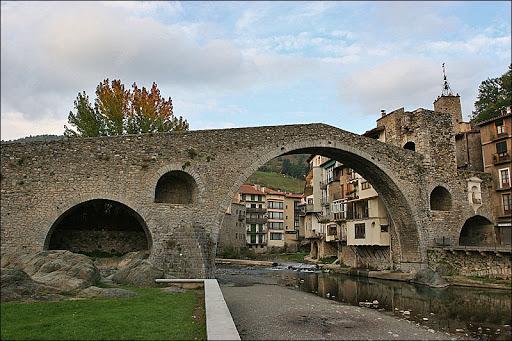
(275, 215)
(275, 225)
(384, 228)
(360, 231)
(504, 177)
(276, 236)
(500, 128)
(253, 227)
(310, 201)
(501, 148)
(275, 204)
(507, 203)
(365, 185)
(253, 239)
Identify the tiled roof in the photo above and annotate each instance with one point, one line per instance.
(293, 195)
(248, 189)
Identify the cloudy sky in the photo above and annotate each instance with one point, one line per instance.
(234, 64)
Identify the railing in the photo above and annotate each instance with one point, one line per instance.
(255, 210)
(468, 248)
(256, 231)
(500, 158)
(256, 220)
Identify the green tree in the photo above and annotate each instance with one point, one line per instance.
(494, 94)
(120, 111)
(87, 120)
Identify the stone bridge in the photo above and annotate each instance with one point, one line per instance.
(177, 187)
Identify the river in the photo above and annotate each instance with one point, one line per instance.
(483, 314)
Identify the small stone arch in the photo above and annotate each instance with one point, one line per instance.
(477, 231)
(99, 227)
(440, 199)
(176, 187)
(410, 146)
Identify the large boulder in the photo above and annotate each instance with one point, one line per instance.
(16, 285)
(430, 278)
(61, 269)
(136, 270)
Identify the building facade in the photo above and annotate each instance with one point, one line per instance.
(496, 139)
(232, 236)
(254, 200)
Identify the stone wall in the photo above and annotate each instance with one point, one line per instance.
(232, 235)
(471, 263)
(367, 257)
(469, 151)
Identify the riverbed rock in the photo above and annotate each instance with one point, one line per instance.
(61, 269)
(16, 285)
(430, 278)
(92, 292)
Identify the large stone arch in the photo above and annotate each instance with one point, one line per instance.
(384, 180)
(65, 211)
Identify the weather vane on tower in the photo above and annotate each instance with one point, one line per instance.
(447, 91)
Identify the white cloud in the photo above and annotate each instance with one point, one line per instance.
(410, 82)
(51, 51)
(15, 125)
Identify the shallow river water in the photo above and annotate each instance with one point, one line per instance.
(480, 313)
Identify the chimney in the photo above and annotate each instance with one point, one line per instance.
(382, 113)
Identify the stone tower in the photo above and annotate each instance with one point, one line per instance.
(450, 104)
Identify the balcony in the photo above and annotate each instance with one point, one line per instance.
(261, 231)
(332, 238)
(500, 158)
(256, 220)
(255, 210)
(310, 208)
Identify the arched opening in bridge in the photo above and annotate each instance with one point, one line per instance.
(334, 211)
(410, 146)
(176, 187)
(477, 231)
(440, 199)
(99, 227)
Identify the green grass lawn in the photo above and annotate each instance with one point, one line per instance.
(152, 315)
(296, 257)
(277, 181)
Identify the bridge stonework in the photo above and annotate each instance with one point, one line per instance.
(42, 180)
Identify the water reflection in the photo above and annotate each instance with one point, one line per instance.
(479, 312)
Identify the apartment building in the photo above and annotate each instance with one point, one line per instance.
(275, 215)
(496, 139)
(272, 218)
(292, 226)
(254, 200)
